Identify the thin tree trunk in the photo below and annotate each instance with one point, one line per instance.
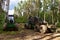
(44, 16)
(52, 18)
(7, 8)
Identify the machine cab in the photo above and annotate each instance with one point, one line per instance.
(11, 18)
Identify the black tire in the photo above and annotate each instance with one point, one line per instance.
(52, 28)
(4, 29)
(26, 26)
(10, 29)
(36, 29)
(16, 29)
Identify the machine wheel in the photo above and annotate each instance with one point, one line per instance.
(36, 28)
(15, 29)
(52, 28)
(43, 29)
(10, 29)
(5, 28)
(26, 26)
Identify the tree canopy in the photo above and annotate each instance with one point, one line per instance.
(48, 10)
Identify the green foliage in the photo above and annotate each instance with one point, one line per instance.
(58, 25)
(21, 19)
(2, 18)
(49, 9)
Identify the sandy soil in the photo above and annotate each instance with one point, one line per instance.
(27, 34)
(31, 35)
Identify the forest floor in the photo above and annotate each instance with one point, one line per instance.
(27, 34)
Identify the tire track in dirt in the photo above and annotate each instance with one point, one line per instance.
(52, 36)
(31, 35)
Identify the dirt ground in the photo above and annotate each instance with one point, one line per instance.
(27, 34)
(30, 35)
